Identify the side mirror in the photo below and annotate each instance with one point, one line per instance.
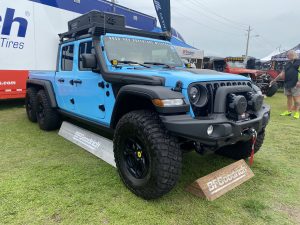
(89, 61)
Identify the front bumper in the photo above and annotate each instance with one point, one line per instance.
(225, 131)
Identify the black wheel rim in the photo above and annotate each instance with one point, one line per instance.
(136, 158)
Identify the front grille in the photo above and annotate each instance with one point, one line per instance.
(212, 88)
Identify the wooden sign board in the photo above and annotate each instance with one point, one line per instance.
(218, 183)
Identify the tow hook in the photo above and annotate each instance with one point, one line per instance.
(253, 133)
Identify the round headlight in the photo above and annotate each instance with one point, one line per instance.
(198, 95)
(194, 94)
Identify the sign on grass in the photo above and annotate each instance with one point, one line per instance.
(218, 183)
(93, 143)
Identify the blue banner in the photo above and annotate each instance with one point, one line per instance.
(163, 10)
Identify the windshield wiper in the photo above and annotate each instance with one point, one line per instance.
(133, 62)
(159, 64)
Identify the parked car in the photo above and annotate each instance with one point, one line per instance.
(236, 65)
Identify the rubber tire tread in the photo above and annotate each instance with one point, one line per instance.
(31, 95)
(272, 90)
(167, 161)
(51, 120)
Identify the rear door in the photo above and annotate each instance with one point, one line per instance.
(90, 87)
(64, 78)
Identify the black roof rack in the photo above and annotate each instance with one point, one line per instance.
(96, 23)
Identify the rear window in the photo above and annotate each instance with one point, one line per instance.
(67, 57)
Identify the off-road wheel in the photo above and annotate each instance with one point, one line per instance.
(242, 150)
(47, 117)
(272, 90)
(31, 103)
(147, 157)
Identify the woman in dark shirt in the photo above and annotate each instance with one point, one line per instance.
(291, 76)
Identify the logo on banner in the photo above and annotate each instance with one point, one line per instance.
(157, 5)
(11, 21)
(188, 53)
(223, 181)
(89, 142)
(162, 8)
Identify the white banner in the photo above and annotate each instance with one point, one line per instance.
(29, 34)
(189, 53)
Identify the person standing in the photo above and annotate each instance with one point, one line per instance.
(291, 76)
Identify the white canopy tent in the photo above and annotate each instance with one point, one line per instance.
(269, 57)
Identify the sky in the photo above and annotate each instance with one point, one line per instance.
(219, 26)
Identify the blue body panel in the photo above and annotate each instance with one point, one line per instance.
(50, 76)
(87, 97)
(186, 77)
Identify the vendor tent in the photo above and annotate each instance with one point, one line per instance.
(283, 56)
(269, 57)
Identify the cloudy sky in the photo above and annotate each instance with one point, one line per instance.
(219, 26)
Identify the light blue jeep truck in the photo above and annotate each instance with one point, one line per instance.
(133, 84)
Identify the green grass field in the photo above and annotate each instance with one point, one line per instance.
(45, 179)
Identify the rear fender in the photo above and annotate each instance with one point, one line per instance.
(45, 85)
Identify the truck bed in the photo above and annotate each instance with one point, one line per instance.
(42, 75)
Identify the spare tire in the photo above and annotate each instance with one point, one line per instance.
(272, 90)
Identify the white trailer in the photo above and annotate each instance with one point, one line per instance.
(28, 41)
(29, 35)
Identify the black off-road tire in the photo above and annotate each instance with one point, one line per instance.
(162, 149)
(47, 117)
(272, 90)
(31, 103)
(242, 150)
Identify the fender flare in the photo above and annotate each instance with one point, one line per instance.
(47, 86)
(149, 93)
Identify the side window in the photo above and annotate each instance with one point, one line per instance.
(67, 57)
(84, 48)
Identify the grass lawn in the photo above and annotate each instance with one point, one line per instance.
(45, 179)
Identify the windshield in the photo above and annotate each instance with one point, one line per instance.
(236, 64)
(141, 51)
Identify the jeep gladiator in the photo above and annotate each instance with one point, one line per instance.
(133, 84)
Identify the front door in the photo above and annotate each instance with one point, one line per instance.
(90, 88)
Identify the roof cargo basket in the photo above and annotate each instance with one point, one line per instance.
(96, 23)
(94, 18)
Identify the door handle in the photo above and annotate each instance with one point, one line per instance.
(77, 81)
(72, 82)
(61, 80)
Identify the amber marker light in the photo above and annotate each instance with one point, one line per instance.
(114, 62)
(168, 102)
